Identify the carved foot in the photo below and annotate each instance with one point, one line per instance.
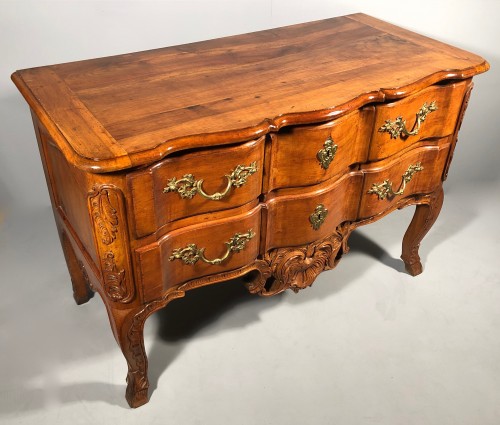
(137, 388)
(423, 219)
(413, 268)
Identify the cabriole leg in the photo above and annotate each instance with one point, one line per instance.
(128, 328)
(423, 219)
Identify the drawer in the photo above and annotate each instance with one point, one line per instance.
(309, 154)
(194, 183)
(419, 171)
(302, 216)
(199, 250)
(430, 113)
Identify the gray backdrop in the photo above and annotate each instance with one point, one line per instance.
(366, 345)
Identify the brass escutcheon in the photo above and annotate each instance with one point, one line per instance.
(318, 217)
(327, 154)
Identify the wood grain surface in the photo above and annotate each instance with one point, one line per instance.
(139, 107)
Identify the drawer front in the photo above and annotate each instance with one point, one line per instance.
(308, 215)
(306, 155)
(199, 250)
(419, 171)
(194, 183)
(433, 112)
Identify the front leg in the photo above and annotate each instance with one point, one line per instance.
(423, 219)
(128, 328)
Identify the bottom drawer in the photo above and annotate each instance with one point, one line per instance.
(297, 217)
(386, 182)
(199, 250)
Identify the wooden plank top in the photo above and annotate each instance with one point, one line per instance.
(128, 110)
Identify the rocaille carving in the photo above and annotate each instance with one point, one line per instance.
(297, 268)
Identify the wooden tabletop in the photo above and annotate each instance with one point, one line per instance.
(123, 111)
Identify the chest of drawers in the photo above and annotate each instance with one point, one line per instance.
(254, 155)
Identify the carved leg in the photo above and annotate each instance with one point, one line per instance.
(128, 328)
(423, 219)
(132, 344)
(79, 278)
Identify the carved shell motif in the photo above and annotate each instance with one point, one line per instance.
(297, 268)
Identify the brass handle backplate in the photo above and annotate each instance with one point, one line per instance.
(188, 186)
(318, 217)
(327, 154)
(384, 189)
(397, 128)
(191, 253)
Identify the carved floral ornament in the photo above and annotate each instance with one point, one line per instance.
(104, 201)
(103, 214)
(114, 279)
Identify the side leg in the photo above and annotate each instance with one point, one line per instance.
(82, 291)
(423, 219)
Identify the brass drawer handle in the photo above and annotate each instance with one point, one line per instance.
(191, 253)
(384, 189)
(398, 128)
(318, 217)
(327, 154)
(187, 186)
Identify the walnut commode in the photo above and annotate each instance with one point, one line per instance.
(252, 155)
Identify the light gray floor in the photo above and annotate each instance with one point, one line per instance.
(367, 344)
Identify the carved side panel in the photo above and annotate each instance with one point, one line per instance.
(106, 206)
(465, 104)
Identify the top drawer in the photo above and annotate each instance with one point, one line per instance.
(430, 113)
(309, 154)
(195, 183)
